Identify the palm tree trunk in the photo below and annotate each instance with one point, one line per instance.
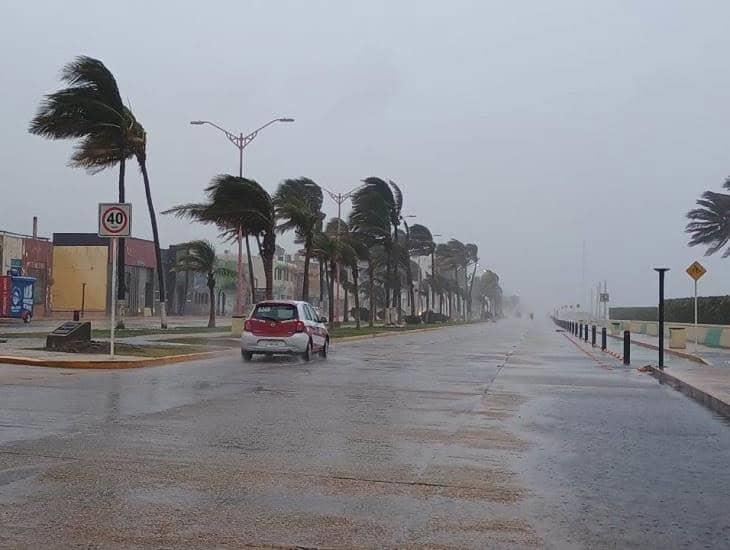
(371, 292)
(326, 281)
(411, 291)
(211, 290)
(121, 279)
(471, 289)
(307, 256)
(156, 238)
(345, 317)
(321, 281)
(331, 285)
(355, 277)
(387, 280)
(433, 277)
(251, 280)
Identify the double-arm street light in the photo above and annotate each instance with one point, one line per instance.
(340, 199)
(241, 141)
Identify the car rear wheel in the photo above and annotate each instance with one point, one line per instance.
(325, 349)
(247, 355)
(307, 355)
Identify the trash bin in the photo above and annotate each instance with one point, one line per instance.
(615, 328)
(677, 337)
(237, 324)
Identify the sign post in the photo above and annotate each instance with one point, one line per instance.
(696, 271)
(115, 220)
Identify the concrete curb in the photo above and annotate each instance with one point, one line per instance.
(110, 364)
(682, 354)
(710, 401)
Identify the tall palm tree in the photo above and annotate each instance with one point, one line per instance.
(710, 225)
(200, 258)
(489, 282)
(358, 252)
(376, 211)
(298, 204)
(238, 204)
(329, 250)
(90, 109)
(472, 258)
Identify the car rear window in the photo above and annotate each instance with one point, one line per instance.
(276, 312)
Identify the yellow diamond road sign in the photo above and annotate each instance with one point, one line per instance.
(696, 270)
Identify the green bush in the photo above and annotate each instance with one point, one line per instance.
(712, 310)
(640, 313)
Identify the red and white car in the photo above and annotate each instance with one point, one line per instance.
(284, 327)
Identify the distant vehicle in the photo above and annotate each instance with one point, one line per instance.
(286, 327)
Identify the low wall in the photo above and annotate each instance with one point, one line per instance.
(714, 336)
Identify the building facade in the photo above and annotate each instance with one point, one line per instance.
(82, 275)
(32, 256)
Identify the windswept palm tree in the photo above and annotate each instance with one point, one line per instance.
(200, 258)
(235, 204)
(91, 110)
(421, 243)
(376, 211)
(298, 206)
(358, 252)
(472, 258)
(710, 225)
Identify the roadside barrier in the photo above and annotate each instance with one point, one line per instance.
(580, 331)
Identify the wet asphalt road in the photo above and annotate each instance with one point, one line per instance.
(473, 437)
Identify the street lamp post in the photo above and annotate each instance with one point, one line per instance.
(241, 141)
(662, 271)
(340, 199)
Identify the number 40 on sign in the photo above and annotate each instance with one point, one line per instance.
(115, 219)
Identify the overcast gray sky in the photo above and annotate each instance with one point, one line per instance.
(526, 127)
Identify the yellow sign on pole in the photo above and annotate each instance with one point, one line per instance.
(696, 270)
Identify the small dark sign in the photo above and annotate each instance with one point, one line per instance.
(67, 333)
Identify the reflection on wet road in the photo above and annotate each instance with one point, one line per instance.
(471, 437)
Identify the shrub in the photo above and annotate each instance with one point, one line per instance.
(433, 317)
(712, 310)
(364, 313)
(413, 320)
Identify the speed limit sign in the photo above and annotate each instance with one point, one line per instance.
(115, 219)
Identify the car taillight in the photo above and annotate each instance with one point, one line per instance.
(247, 326)
(299, 327)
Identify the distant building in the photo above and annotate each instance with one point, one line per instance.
(33, 256)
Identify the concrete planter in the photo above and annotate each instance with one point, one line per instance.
(677, 338)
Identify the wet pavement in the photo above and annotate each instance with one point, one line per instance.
(480, 436)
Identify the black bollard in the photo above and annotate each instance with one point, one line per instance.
(593, 336)
(585, 333)
(627, 347)
(661, 271)
(603, 339)
(580, 331)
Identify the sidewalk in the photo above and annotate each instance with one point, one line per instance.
(709, 384)
(717, 357)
